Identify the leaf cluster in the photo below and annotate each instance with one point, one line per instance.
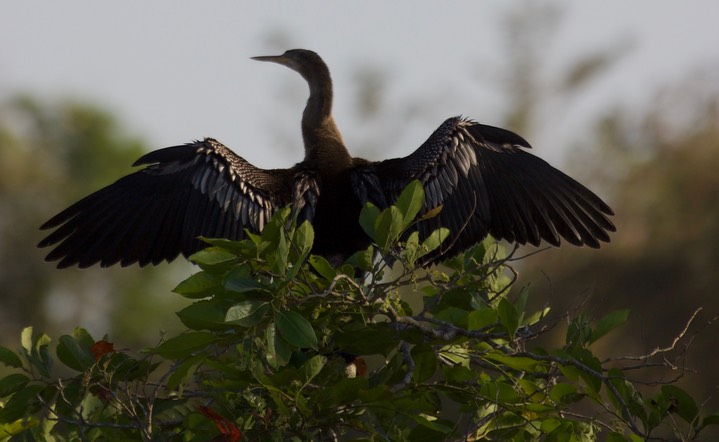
(281, 345)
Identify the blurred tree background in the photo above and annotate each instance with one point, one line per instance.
(656, 166)
(659, 169)
(52, 154)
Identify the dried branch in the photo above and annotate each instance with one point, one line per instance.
(660, 350)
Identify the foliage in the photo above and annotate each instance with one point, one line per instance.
(278, 343)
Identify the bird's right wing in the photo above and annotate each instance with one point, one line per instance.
(154, 214)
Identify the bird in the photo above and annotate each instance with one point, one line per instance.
(482, 178)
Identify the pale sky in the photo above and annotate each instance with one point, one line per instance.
(175, 71)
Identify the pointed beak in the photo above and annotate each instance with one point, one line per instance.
(281, 59)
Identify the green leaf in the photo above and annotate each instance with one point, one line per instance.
(344, 391)
(239, 282)
(302, 405)
(43, 358)
(608, 323)
(258, 372)
(323, 267)
(521, 303)
(274, 228)
(36, 350)
(295, 329)
(682, 402)
(204, 315)
(278, 350)
(536, 316)
(629, 396)
(311, 368)
(12, 383)
(502, 392)
(183, 371)
(579, 331)
(368, 219)
(616, 437)
(433, 426)
(410, 202)
(586, 358)
(26, 339)
(236, 247)
(212, 256)
(456, 354)
(563, 394)
(276, 224)
(425, 361)
(508, 316)
(459, 297)
(363, 259)
(411, 248)
(9, 358)
(281, 253)
(20, 426)
(711, 420)
(453, 315)
(520, 363)
(434, 240)
(549, 425)
(23, 403)
(73, 354)
(304, 238)
(247, 313)
(482, 318)
(83, 337)
(388, 228)
(184, 345)
(199, 285)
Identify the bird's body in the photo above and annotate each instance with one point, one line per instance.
(482, 177)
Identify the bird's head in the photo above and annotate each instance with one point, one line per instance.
(304, 61)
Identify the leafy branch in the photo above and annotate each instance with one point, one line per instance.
(281, 345)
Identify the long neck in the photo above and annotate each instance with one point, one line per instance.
(323, 141)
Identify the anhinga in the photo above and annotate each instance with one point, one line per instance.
(482, 177)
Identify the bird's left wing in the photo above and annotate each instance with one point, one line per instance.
(156, 213)
(486, 183)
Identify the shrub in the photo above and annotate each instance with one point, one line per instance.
(282, 346)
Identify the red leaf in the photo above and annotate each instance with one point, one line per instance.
(361, 367)
(101, 348)
(102, 393)
(228, 430)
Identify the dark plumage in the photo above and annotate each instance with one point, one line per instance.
(482, 176)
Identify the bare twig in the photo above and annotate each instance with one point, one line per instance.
(667, 349)
(407, 356)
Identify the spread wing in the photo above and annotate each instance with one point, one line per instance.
(154, 214)
(487, 183)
